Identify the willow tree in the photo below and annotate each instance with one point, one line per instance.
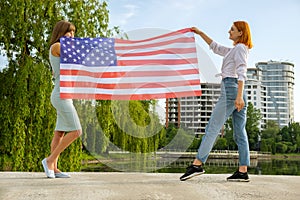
(27, 117)
(131, 125)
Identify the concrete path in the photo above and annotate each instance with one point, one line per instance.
(144, 186)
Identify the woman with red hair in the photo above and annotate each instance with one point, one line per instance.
(232, 101)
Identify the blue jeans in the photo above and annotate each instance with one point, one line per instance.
(223, 110)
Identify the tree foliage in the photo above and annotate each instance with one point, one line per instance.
(284, 140)
(129, 126)
(253, 125)
(269, 137)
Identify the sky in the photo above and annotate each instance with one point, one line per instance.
(275, 26)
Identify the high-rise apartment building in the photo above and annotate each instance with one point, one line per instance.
(269, 87)
(193, 112)
(278, 80)
(257, 93)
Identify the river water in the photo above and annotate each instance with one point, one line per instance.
(212, 166)
(261, 167)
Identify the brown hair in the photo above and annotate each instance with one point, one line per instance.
(60, 29)
(246, 36)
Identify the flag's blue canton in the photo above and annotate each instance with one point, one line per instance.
(88, 51)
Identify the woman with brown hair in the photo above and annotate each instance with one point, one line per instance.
(68, 127)
(232, 101)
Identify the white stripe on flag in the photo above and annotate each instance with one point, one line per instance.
(128, 68)
(160, 56)
(129, 79)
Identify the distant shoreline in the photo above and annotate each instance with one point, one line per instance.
(286, 156)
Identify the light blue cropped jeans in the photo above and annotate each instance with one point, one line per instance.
(225, 108)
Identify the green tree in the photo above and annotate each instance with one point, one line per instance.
(289, 133)
(252, 126)
(281, 147)
(221, 144)
(93, 139)
(288, 136)
(171, 133)
(128, 125)
(269, 137)
(27, 117)
(296, 130)
(228, 129)
(196, 143)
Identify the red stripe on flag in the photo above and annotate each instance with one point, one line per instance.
(157, 62)
(156, 44)
(130, 96)
(179, 32)
(165, 51)
(129, 85)
(128, 74)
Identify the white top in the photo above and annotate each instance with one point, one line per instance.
(234, 61)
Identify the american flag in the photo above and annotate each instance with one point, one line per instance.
(164, 66)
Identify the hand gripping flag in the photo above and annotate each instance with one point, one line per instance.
(165, 66)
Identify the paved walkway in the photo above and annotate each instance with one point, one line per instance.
(144, 186)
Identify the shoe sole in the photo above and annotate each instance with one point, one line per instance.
(192, 175)
(238, 180)
(59, 175)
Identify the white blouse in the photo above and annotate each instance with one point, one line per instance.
(234, 61)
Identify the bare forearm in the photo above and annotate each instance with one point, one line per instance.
(205, 37)
(240, 89)
(239, 101)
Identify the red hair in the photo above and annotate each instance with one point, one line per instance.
(246, 36)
